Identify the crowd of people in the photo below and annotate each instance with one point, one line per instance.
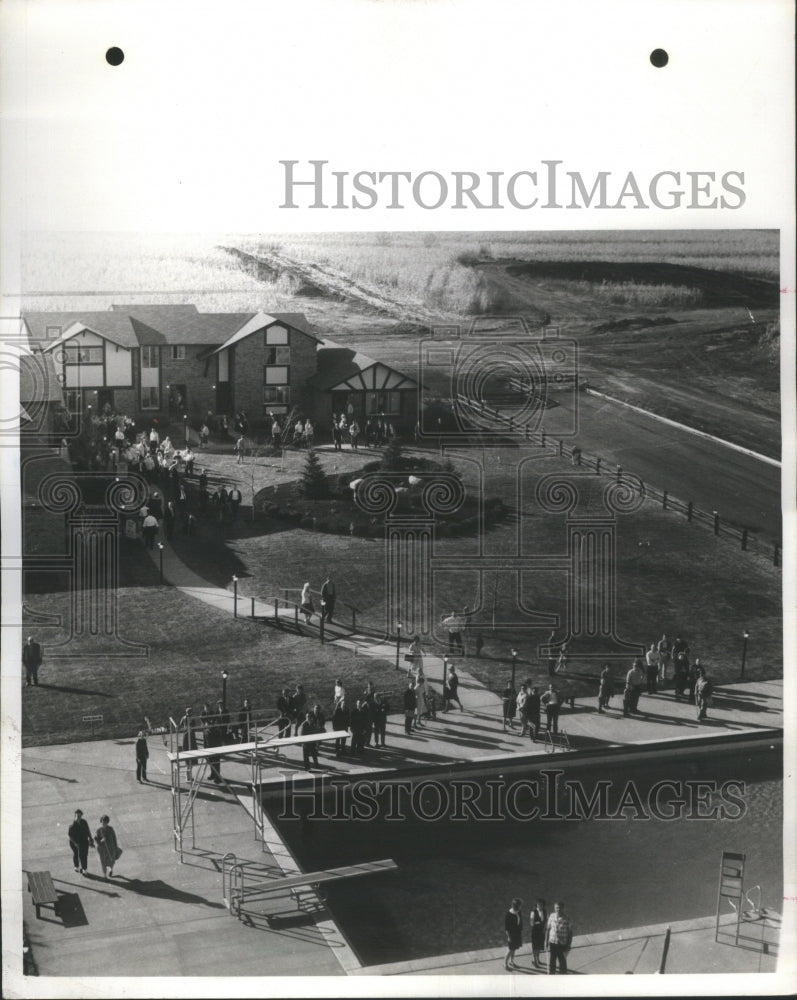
(346, 429)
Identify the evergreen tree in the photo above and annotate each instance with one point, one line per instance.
(393, 456)
(313, 484)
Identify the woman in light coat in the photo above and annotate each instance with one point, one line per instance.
(306, 602)
(107, 848)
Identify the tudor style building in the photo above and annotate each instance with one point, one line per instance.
(173, 362)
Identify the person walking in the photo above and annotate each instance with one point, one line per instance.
(204, 435)
(509, 705)
(520, 705)
(150, 530)
(235, 501)
(379, 713)
(605, 687)
(634, 680)
(297, 707)
(533, 705)
(410, 702)
(414, 656)
(80, 840)
(551, 703)
(513, 929)
(665, 658)
(31, 660)
(538, 921)
(704, 689)
(306, 604)
(142, 756)
(454, 624)
(558, 938)
(451, 692)
(652, 661)
(421, 708)
(337, 437)
(328, 595)
(108, 850)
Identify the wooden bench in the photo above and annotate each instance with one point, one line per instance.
(42, 891)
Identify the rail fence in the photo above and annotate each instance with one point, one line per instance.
(721, 527)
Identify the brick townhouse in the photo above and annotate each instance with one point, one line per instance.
(174, 363)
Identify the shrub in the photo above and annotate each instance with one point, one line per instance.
(392, 456)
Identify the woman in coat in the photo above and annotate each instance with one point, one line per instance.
(513, 928)
(539, 920)
(605, 688)
(107, 848)
(421, 707)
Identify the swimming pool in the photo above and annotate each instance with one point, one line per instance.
(457, 875)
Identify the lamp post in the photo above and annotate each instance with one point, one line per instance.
(745, 637)
(235, 596)
(224, 676)
(185, 421)
(445, 677)
(514, 664)
(160, 556)
(398, 643)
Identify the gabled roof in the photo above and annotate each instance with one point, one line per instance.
(344, 368)
(112, 326)
(136, 325)
(261, 320)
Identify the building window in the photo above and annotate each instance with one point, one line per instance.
(276, 394)
(177, 353)
(53, 332)
(74, 401)
(276, 336)
(149, 356)
(83, 355)
(150, 398)
(388, 403)
(276, 375)
(278, 355)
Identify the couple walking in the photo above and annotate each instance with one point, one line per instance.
(80, 839)
(328, 597)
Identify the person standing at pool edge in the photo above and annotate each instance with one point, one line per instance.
(513, 928)
(558, 938)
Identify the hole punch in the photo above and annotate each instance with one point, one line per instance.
(114, 56)
(659, 58)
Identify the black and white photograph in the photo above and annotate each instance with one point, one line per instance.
(403, 608)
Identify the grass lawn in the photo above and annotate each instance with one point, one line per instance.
(189, 645)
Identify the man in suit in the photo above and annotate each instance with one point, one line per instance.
(142, 756)
(32, 659)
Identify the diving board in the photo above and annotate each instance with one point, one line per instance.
(233, 748)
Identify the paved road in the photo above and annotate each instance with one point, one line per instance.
(743, 489)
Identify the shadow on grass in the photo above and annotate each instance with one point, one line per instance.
(77, 690)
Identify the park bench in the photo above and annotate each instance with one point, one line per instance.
(42, 891)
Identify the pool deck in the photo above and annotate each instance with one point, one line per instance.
(159, 917)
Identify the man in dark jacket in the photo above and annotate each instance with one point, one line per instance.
(379, 712)
(340, 721)
(80, 839)
(357, 726)
(328, 596)
(142, 756)
(32, 660)
(309, 750)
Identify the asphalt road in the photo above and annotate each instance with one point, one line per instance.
(744, 490)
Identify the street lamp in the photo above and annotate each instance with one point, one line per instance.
(445, 677)
(398, 643)
(745, 637)
(224, 676)
(185, 421)
(235, 596)
(160, 555)
(514, 664)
